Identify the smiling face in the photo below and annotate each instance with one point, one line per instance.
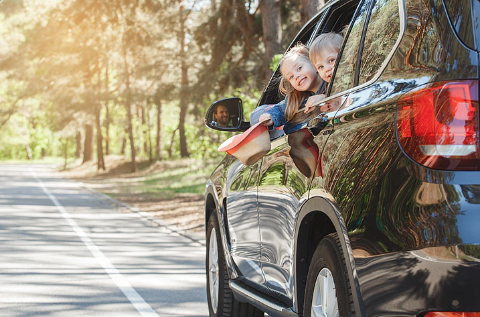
(301, 74)
(324, 63)
(222, 116)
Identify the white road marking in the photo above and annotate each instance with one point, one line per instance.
(138, 302)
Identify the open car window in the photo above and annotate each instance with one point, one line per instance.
(271, 94)
(344, 77)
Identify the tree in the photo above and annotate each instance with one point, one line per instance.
(184, 82)
(308, 8)
(272, 31)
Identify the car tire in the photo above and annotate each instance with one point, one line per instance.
(221, 302)
(328, 289)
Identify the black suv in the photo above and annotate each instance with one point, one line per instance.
(388, 224)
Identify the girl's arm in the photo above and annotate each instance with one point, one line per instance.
(268, 117)
(275, 115)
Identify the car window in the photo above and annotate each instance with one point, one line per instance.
(271, 94)
(345, 73)
(382, 33)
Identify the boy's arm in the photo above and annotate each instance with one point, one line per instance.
(312, 102)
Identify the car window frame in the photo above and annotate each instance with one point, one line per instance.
(356, 77)
(403, 22)
(345, 40)
(274, 82)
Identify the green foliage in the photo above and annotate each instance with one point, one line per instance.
(275, 61)
(21, 133)
(61, 62)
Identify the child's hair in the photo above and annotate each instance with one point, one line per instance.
(295, 97)
(331, 41)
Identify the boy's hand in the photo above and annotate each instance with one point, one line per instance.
(332, 105)
(312, 100)
(268, 117)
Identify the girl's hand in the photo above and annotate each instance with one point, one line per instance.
(267, 117)
(312, 100)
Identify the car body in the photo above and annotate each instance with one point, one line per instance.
(397, 200)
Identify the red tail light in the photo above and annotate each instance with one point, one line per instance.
(438, 125)
(452, 314)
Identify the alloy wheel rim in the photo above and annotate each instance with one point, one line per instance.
(324, 300)
(213, 270)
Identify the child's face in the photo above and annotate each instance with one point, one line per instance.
(324, 63)
(300, 73)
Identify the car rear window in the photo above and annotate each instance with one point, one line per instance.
(344, 76)
(460, 15)
(382, 33)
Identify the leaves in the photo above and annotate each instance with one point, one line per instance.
(63, 61)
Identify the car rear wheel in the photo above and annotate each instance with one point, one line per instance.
(328, 292)
(221, 302)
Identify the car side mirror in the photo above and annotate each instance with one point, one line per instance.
(226, 115)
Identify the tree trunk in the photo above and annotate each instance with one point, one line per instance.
(88, 147)
(100, 161)
(184, 88)
(213, 23)
(65, 154)
(143, 109)
(272, 31)
(128, 107)
(158, 141)
(149, 139)
(170, 149)
(124, 142)
(98, 110)
(29, 152)
(107, 113)
(308, 8)
(78, 150)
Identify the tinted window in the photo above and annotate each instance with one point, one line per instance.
(382, 33)
(459, 12)
(345, 74)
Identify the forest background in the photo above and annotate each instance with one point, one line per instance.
(82, 79)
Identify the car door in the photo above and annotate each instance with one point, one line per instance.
(362, 141)
(362, 145)
(281, 189)
(283, 186)
(242, 220)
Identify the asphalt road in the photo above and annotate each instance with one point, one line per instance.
(67, 252)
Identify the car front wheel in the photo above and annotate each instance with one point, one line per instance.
(220, 297)
(328, 292)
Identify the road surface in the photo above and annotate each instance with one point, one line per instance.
(67, 252)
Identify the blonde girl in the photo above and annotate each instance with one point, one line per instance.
(299, 81)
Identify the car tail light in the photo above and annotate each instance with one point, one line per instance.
(452, 314)
(438, 125)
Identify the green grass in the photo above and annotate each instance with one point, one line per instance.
(175, 180)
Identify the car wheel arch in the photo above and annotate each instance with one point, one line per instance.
(212, 204)
(317, 218)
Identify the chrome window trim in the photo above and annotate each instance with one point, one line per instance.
(403, 22)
